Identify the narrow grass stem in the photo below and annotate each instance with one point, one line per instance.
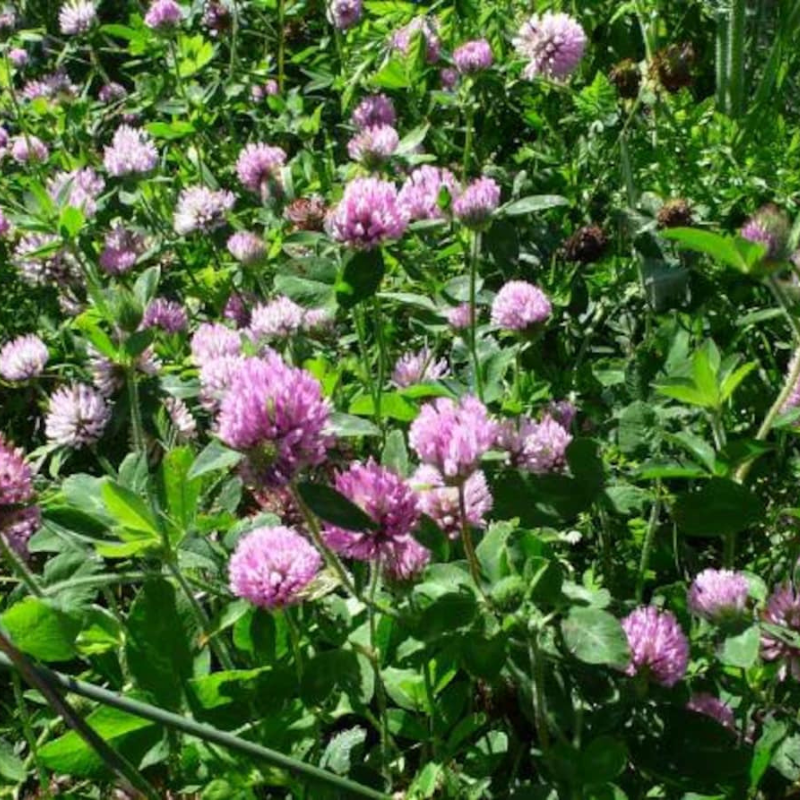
(190, 727)
(474, 258)
(43, 683)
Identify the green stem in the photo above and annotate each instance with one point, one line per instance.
(647, 545)
(331, 559)
(281, 44)
(380, 691)
(735, 62)
(42, 682)
(217, 645)
(234, 35)
(19, 567)
(539, 699)
(466, 538)
(718, 430)
(381, 339)
(721, 59)
(474, 257)
(729, 550)
(360, 326)
(294, 639)
(197, 729)
(30, 738)
(137, 425)
(789, 384)
(469, 123)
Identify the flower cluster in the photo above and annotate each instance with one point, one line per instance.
(367, 215)
(420, 196)
(473, 56)
(132, 152)
(276, 414)
(23, 358)
(259, 169)
(519, 306)
(19, 519)
(388, 501)
(553, 45)
(453, 436)
(418, 367)
(537, 447)
(77, 416)
(202, 209)
(272, 567)
(718, 595)
(659, 648)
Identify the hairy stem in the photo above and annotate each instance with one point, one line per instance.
(474, 258)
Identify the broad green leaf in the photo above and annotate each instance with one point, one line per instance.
(42, 630)
(773, 734)
(12, 767)
(392, 75)
(595, 637)
(170, 130)
(603, 760)
(343, 750)
(733, 380)
(70, 755)
(686, 391)
(128, 510)
(395, 453)
(719, 507)
(71, 222)
(157, 645)
(742, 649)
(180, 492)
(213, 458)
(528, 205)
(722, 248)
(333, 507)
(361, 278)
(349, 426)
(393, 406)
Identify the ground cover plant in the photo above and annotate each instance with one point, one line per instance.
(399, 400)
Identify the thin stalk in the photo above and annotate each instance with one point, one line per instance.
(381, 339)
(788, 387)
(216, 645)
(735, 63)
(42, 682)
(199, 730)
(173, 52)
(281, 44)
(95, 581)
(469, 124)
(234, 34)
(358, 318)
(19, 567)
(718, 430)
(30, 738)
(474, 257)
(647, 545)
(380, 691)
(331, 559)
(137, 425)
(785, 305)
(721, 59)
(466, 538)
(729, 550)
(294, 640)
(539, 699)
